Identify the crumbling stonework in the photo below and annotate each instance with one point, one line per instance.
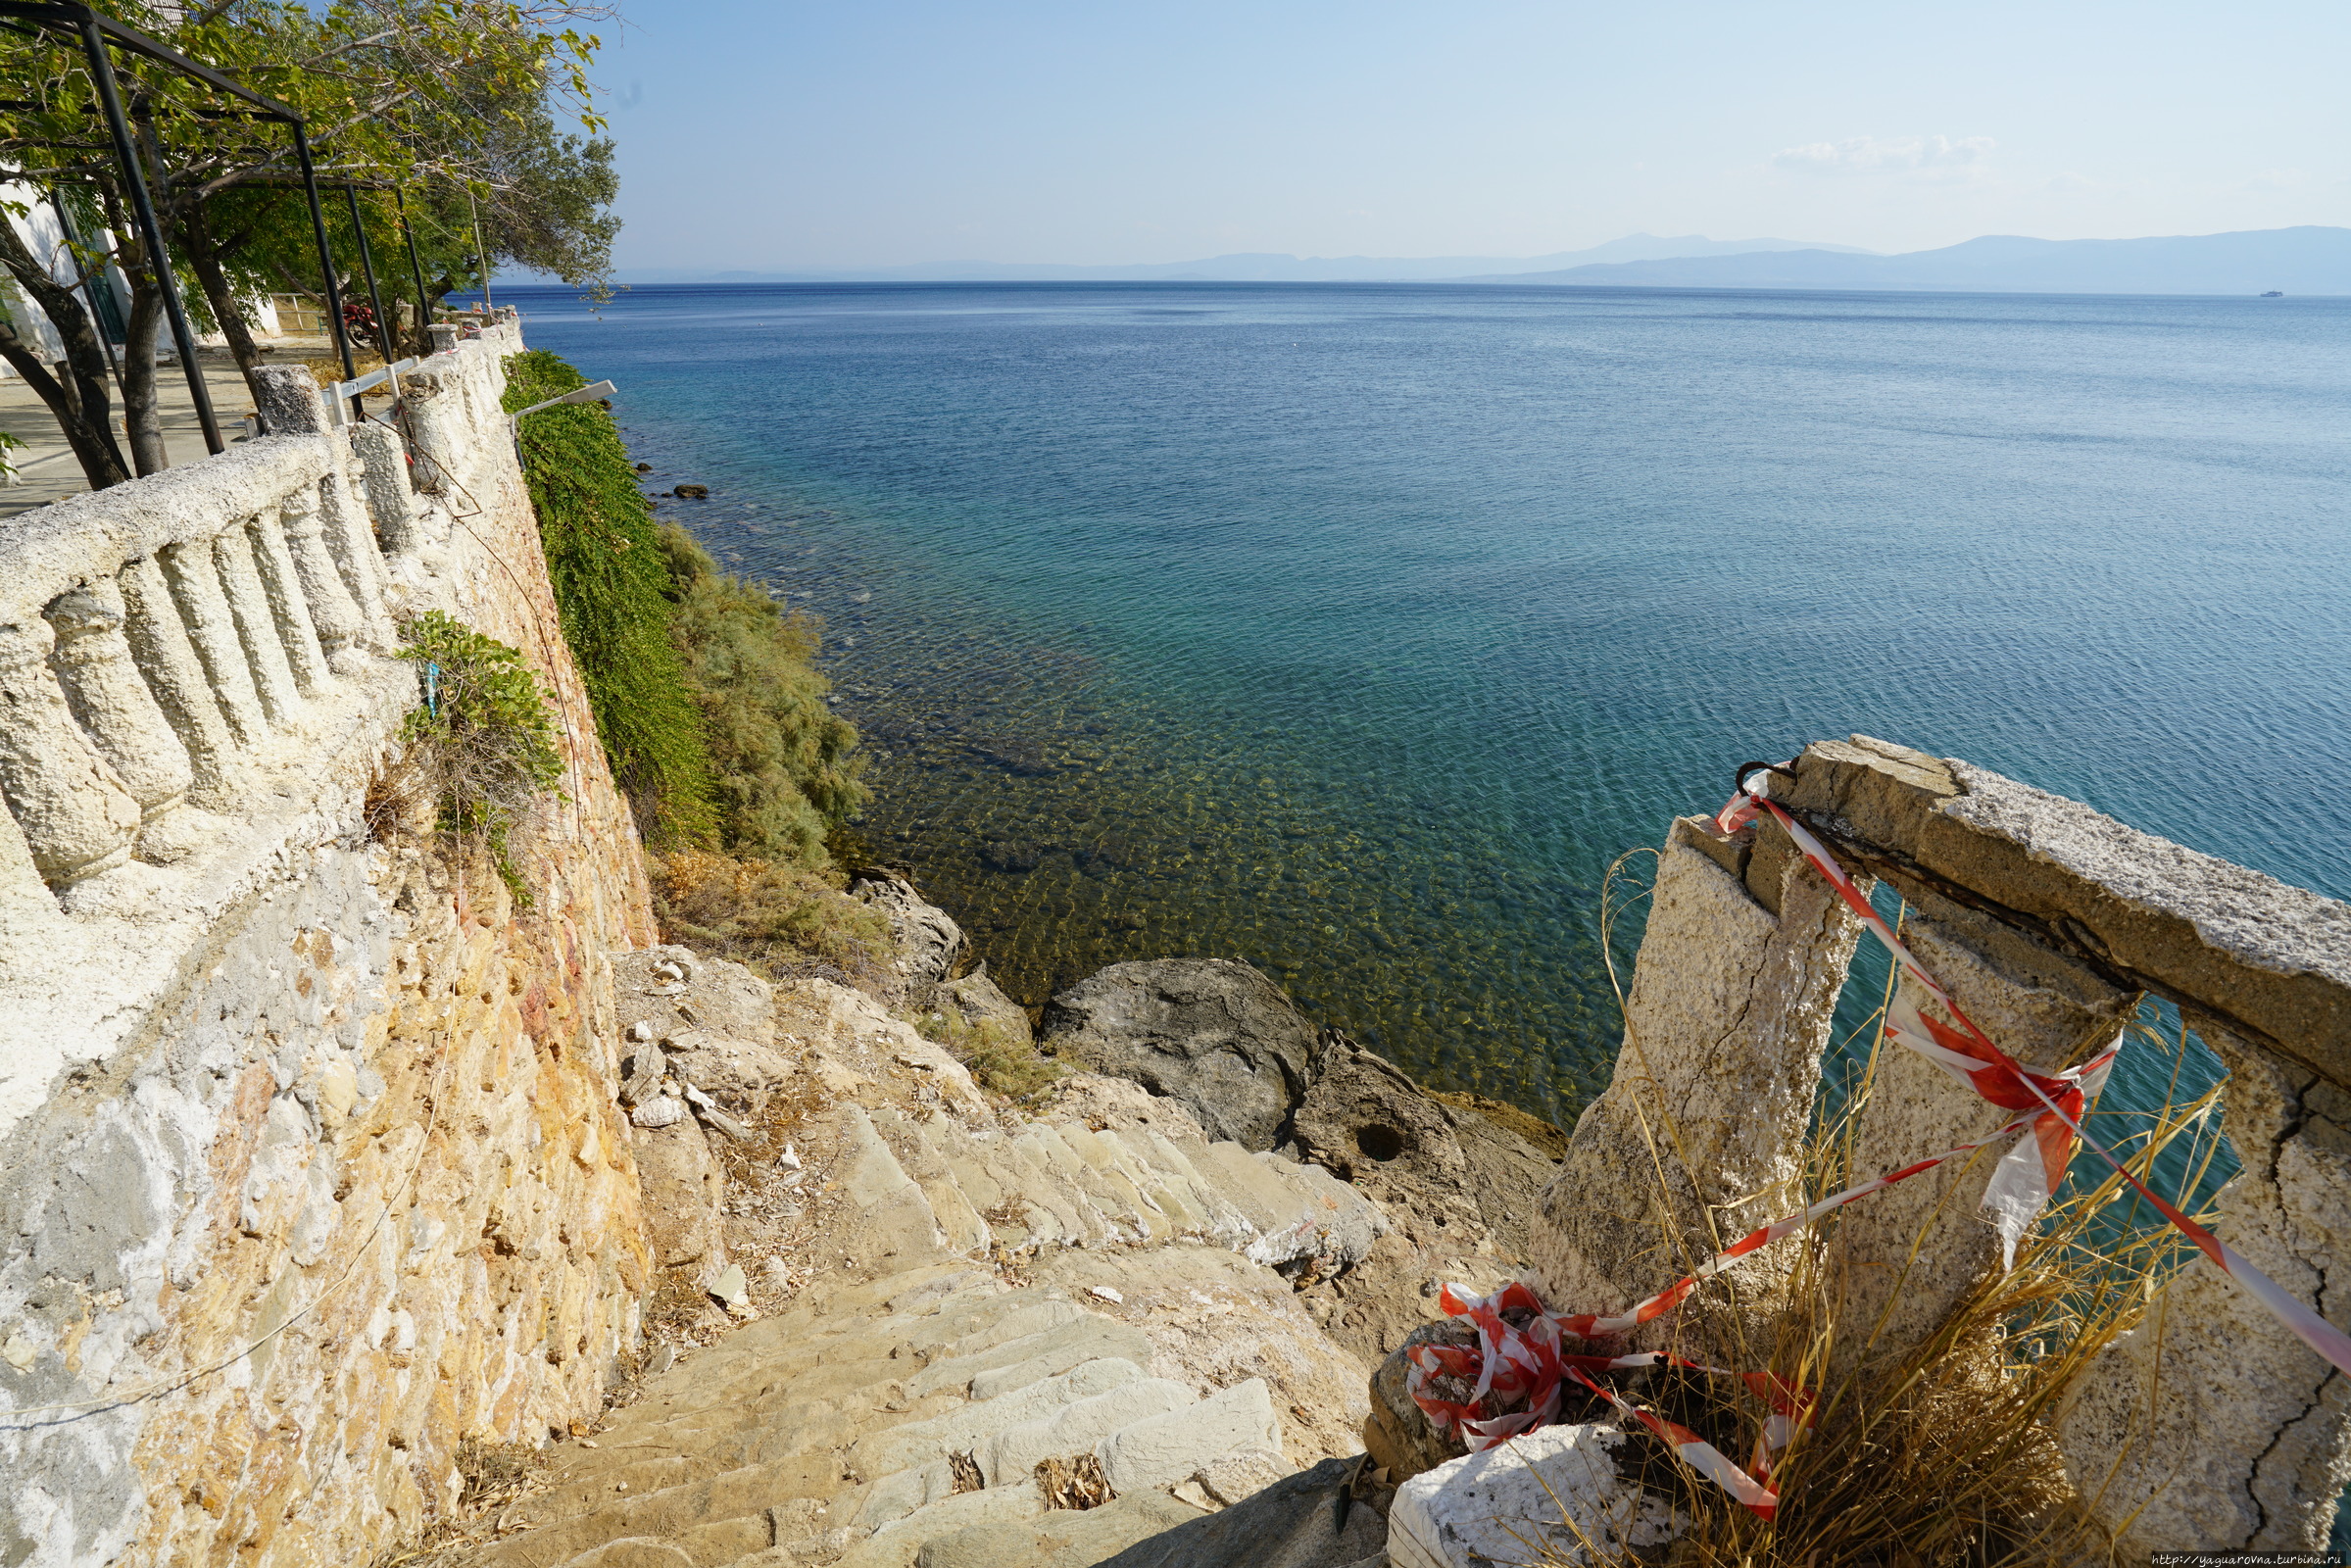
(309, 1161)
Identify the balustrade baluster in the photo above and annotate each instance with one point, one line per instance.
(106, 694)
(334, 623)
(213, 632)
(77, 819)
(384, 461)
(160, 644)
(351, 544)
(256, 623)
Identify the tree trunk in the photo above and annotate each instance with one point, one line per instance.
(204, 252)
(84, 401)
(101, 464)
(142, 409)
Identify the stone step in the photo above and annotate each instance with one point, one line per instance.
(1076, 1428)
(969, 1428)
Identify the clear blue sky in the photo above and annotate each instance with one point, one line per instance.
(786, 133)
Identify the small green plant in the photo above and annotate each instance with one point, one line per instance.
(8, 444)
(481, 744)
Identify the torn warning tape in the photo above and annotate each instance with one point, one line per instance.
(1995, 1076)
(1695, 1452)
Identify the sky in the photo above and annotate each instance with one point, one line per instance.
(770, 134)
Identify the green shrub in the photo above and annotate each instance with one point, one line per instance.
(784, 768)
(612, 583)
(482, 746)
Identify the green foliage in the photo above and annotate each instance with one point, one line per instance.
(482, 746)
(611, 580)
(785, 767)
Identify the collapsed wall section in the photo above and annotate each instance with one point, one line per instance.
(310, 1168)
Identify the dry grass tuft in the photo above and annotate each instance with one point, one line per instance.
(1073, 1483)
(785, 921)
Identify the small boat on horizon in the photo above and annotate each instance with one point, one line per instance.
(2273, 294)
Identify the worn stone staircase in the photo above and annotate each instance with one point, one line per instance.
(966, 1294)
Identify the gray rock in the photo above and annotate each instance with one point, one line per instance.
(981, 1000)
(928, 939)
(1065, 1537)
(1314, 1519)
(1368, 1123)
(660, 1110)
(1398, 1435)
(1212, 1033)
(672, 988)
(683, 1188)
(738, 1073)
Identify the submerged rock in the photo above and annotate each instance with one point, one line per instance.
(1212, 1033)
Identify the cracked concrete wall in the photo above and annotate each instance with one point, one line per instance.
(309, 1161)
(1699, 1137)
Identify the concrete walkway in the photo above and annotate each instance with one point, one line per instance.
(45, 465)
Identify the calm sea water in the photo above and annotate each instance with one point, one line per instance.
(1355, 630)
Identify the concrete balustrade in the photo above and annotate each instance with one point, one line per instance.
(158, 640)
(2207, 1426)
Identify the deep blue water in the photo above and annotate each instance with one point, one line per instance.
(1354, 629)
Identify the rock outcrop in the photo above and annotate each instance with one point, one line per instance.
(1212, 1033)
(938, 1295)
(927, 942)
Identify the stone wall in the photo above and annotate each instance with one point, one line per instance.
(309, 1164)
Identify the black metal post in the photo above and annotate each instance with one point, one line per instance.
(375, 300)
(408, 232)
(327, 261)
(102, 72)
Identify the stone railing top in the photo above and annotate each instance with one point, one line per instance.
(2269, 959)
(49, 549)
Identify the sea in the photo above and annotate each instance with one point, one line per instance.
(1370, 633)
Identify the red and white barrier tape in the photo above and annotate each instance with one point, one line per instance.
(1528, 1362)
(1969, 1055)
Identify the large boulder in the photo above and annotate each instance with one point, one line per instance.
(1212, 1033)
(927, 941)
(983, 1004)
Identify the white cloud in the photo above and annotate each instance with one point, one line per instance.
(1932, 159)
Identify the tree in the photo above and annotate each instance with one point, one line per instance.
(454, 102)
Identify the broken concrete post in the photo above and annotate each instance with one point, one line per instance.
(1699, 1137)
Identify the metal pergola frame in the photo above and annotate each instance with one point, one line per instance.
(97, 35)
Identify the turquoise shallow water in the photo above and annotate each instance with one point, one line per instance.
(1356, 629)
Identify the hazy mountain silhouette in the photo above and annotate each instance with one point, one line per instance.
(1254, 267)
(2308, 259)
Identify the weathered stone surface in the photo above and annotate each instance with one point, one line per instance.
(1163, 1450)
(683, 1189)
(2232, 942)
(1551, 1490)
(307, 1105)
(1212, 1033)
(742, 1075)
(1077, 1427)
(1063, 1538)
(675, 991)
(1452, 1180)
(1698, 1135)
(1398, 1435)
(1313, 1519)
(928, 939)
(2042, 1008)
(1104, 1104)
(2210, 1424)
(981, 1000)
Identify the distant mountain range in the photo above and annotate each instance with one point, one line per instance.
(1261, 268)
(2308, 259)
